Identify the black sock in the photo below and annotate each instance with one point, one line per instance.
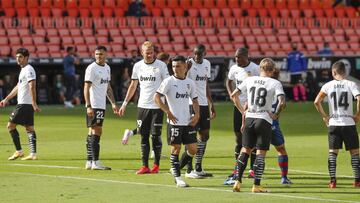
(355, 166)
(185, 159)
(332, 166)
(157, 146)
(201, 147)
(88, 148)
(145, 150)
(174, 161)
(32, 141)
(252, 159)
(259, 167)
(135, 131)
(16, 139)
(95, 147)
(242, 162)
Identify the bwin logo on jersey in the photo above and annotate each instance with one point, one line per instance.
(150, 78)
(181, 95)
(199, 78)
(104, 81)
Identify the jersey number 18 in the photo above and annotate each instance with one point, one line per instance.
(258, 96)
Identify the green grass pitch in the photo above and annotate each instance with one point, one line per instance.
(58, 175)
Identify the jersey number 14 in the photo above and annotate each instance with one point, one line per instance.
(341, 102)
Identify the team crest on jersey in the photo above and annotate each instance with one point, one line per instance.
(188, 86)
(248, 73)
(155, 70)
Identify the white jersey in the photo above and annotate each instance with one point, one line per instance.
(200, 74)
(177, 93)
(99, 76)
(261, 92)
(26, 75)
(340, 94)
(239, 74)
(150, 77)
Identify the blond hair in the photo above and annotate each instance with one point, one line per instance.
(147, 44)
(267, 65)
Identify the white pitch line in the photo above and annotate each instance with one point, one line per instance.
(172, 186)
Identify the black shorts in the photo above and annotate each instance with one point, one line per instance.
(257, 134)
(237, 121)
(149, 121)
(97, 119)
(347, 134)
(204, 120)
(177, 134)
(23, 114)
(295, 79)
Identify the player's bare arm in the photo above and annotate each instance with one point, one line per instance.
(281, 106)
(111, 98)
(129, 94)
(229, 86)
(242, 128)
(357, 114)
(235, 98)
(11, 95)
(318, 105)
(164, 107)
(196, 116)
(89, 110)
(210, 101)
(32, 86)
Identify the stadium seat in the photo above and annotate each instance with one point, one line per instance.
(350, 12)
(118, 12)
(292, 5)
(21, 12)
(119, 3)
(252, 12)
(327, 4)
(280, 4)
(118, 39)
(208, 3)
(274, 13)
(204, 13)
(213, 39)
(185, 4)
(328, 38)
(19, 3)
(233, 4)
(245, 4)
(315, 4)
(284, 13)
(198, 31)
(340, 12)
(237, 12)
(221, 4)
(215, 12)
(271, 39)
(257, 4)
(295, 13)
(318, 38)
(263, 13)
(304, 4)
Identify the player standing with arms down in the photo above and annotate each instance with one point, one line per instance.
(180, 129)
(200, 72)
(341, 120)
(24, 111)
(239, 72)
(149, 73)
(261, 91)
(96, 88)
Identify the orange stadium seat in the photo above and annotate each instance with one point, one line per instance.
(327, 3)
(122, 3)
(292, 5)
(252, 12)
(21, 12)
(185, 4)
(160, 3)
(274, 13)
(172, 4)
(315, 4)
(304, 4)
(209, 4)
(19, 4)
(197, 4)
(82, 3)
(221, 4)
(340, 12)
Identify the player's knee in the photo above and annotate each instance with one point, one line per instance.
(96, 130)
(246, 150)
(334, 151)
(281, 150)
(175, 149)
(204, 136)
(156, 139)
(354, 151)
(11, 126)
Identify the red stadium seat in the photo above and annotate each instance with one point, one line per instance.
(148, 3)
(340, 12)
(156, 12)
(327, 3)
(295, 13)
(197, 4)
(7, 4)
(160, 3)
(221, 4)
(233, 4)
(292, 4)
(304, 4)
(315, 4)
(263, 13)
(330, 13)
(280, 4)
(21, 12)
(19, 4)
(237, 12)
(257, 4)
(118, 39)
(274, 13)
(123, 3)
(350, 12)
(119, 12)
(245, 4)
(284, 13)
(185, 4)
(78, 40)
(164, 39)
(173, 4)
(318, 39)
(271, 39)
(82, 3)
(27, 41)
(5, 51)
(193, 12)
(204, 12)
(215, 12)
(252, 12)
(179, 12)
(208, 3)
(167, 12)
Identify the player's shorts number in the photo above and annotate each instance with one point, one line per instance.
(258, 96)
(99, 115)
(341, 102)
(174, 132)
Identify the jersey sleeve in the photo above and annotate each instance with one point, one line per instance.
(193, 93)
(231, 75)
(30, 74)
(89, 75)
(164, 72)
(134, 75)
(279, 89)
(164, 87)
(325, 88)
(355, 90)
(209, 70)
(242, 86)
(257, 70)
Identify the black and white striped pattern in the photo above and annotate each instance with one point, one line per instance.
(332, 165)
(88, 148)
(259, 167)
(175, 165)
(201, 146)
(355, 166)
(32, 141)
